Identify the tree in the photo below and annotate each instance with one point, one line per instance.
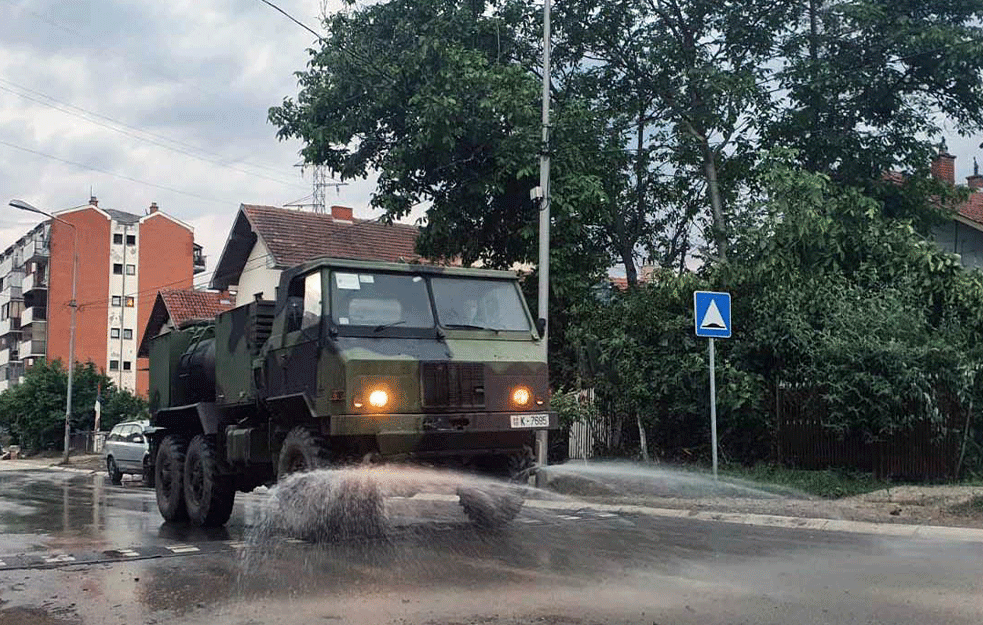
(865, 83)
(34, 411)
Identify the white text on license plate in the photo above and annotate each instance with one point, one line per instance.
(530, 420)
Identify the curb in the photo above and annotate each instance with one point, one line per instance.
(897, 530)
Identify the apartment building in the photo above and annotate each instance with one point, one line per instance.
(124, 259)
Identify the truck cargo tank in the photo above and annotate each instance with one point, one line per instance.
(196, 370)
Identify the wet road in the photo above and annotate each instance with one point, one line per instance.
(74, 549)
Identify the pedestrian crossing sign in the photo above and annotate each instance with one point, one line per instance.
(712, 314)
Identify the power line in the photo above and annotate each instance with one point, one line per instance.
(111, 173)
(293, 19)
(83, 113)
(127, 58)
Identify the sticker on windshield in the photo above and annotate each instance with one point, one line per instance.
(366, 278)
(343, 321)
(347, 281)
(417, 278)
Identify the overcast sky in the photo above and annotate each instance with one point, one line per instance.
(197, 75)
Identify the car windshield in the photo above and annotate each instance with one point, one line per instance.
(476, 303)
(380, 299)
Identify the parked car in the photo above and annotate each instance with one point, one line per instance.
(126, 450)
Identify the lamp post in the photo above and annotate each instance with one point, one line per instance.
(73, 304)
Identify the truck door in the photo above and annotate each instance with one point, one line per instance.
(298, 356)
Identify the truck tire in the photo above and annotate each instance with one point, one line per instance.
(169, 478)
(209, 489)
(302, 450)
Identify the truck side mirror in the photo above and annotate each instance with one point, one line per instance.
(540, 326)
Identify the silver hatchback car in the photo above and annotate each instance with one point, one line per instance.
(126, 450)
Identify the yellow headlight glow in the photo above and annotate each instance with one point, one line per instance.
(378, 398)
(521, 396)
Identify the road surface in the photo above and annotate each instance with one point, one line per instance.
(74, 549)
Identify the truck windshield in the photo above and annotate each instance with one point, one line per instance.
(380, 299)
(475, 303)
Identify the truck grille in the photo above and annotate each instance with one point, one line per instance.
(453, 384)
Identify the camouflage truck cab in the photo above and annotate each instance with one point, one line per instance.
(353, 360)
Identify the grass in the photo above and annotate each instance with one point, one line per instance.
(830, 483)
(973, 507)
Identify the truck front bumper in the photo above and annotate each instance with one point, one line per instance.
(445, 434)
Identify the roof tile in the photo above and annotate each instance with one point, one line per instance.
(295, 237)
(189, 305)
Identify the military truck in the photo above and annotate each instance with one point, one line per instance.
(353, 361)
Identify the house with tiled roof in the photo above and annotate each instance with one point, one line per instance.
(964, 234)
(180, 308)
(265, 240)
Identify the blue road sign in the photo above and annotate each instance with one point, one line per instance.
(712, 314)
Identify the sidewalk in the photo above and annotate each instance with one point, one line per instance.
(87, 463)
(699, 496)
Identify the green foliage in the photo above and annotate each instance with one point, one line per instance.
(34, 411)
(829, 294)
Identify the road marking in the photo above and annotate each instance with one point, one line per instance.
(182, 549)
(2, 563)
(58, 559)
(236, 544)
(296, 541)
(127, 553)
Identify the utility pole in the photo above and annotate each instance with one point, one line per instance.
(543, 193)
(24, 206)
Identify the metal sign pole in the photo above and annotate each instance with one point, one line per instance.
(713, 409)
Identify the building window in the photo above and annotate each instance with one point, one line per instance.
(117, 300)
(118, 239)
(118, 269)
(131, 239)
(128, 334)
(129, 302)
(114, 333)
(114, 365)
(131, 270)
(126, 365)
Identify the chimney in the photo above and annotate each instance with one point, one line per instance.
(944, 165)
(93, 201)
(975, 181)
(342, 213)
(153, 207)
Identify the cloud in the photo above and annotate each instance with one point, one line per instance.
(180, 92)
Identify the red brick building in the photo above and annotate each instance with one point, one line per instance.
(124, 259)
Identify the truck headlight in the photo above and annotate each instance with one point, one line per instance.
(521, 396)
(378, 398)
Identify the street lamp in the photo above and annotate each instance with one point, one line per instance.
(24, 206)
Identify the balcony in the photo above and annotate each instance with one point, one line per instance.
(33, 282)
(34, 314)
(8, 325)
(10, 291)
(35, 249)
(32, 348)
(198, 260)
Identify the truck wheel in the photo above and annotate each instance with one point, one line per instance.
(302, 450)
(169, 478)
(115, 475)
(209, 490)
(490, 507)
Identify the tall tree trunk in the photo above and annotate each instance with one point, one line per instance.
(716, 205)
(642, 442)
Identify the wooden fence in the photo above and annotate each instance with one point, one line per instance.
(924, 451)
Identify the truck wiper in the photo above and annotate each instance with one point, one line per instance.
(466, 326)
(383, 326)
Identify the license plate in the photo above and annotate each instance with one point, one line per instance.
(530, 420)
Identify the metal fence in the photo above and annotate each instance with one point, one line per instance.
(925, 450)
(86, 442)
